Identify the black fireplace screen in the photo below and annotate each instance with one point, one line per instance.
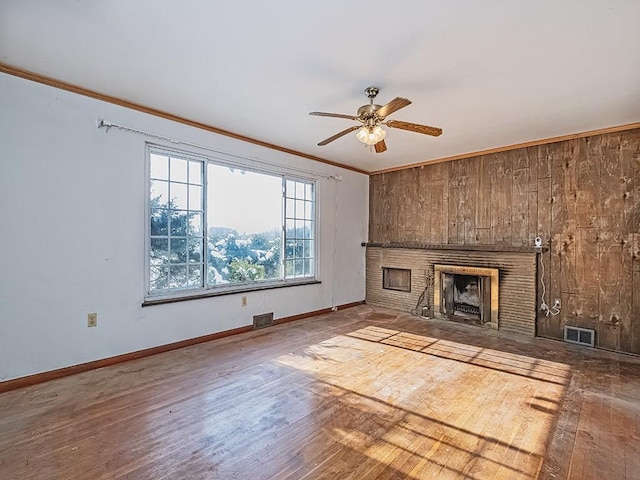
(466, 296)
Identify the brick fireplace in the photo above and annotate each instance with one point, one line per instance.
(501, 293)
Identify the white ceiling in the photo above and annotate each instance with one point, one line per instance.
(490, 73)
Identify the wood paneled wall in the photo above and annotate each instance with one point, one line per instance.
(581, 196)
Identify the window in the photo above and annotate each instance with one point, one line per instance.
(216, 226)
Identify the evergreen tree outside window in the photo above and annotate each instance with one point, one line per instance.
(217, 226)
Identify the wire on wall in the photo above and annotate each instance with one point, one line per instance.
(101, 123)
(555, 310)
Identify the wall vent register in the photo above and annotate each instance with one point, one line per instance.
(581, 336)
(263, 320)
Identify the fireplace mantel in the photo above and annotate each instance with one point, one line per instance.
(448, 246)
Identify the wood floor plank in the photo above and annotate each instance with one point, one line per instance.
(361, 393)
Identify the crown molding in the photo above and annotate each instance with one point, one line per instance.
(52, 82)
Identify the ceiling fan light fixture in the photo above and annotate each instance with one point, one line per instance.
(371, 135)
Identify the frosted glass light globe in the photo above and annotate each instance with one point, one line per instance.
(371, 135)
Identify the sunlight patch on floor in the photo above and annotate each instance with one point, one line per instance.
(428, 407)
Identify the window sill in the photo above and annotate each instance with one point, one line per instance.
(150, 301)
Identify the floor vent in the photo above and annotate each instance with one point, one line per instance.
(261, 321)
(582, 336)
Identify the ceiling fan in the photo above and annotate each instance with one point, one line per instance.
(372, 117)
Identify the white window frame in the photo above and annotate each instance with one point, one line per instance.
(205, 289)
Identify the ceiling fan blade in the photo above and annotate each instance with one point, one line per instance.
(336, 115)
(414, 127)
(393, 106)
(380, 146)
(338, 135)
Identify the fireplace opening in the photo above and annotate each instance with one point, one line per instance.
(467, 294)
(464, 293)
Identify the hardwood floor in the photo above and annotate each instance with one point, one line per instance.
(357, 394)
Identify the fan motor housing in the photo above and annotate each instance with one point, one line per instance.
(366, 111)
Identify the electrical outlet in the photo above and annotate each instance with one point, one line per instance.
(557, 303)
(244, 301)
(92, 320)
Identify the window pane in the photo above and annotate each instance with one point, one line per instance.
(308, 210)
(159, 166)
(299, 190)
(299, 269)
(290, 248)
(308, 192)
(159, 221)
(159, 252)
(291, 228)
(178, 250)
(177, 276)
(308, 267)
(195, 249)
(159, 193)
(195, 223)
(195, 172)
(308, 250)
(179, 196)
(290, 208)
(178, 170)
(289, 268)
(299, 208)
(195, 197)
(308, 229)
(158, 277)
(179, 222)
(195, 275)
(291, 189)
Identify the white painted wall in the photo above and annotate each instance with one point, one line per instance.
(72, 226)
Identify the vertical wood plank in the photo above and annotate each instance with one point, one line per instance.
(545, 327)
(519, 158)
(545, 159)
(437, 194)
(610, 253)
(606, 152)
(635, 294)
(501, 184)
(483, 204)
(375, 213)
(387, 208)
(423, 212)
(452, 216)
(410, 204)
(520, 208)
(630, 161)
(532, 213)
(586, 267)
(473, 197)
(462, 209)
(587, 178)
